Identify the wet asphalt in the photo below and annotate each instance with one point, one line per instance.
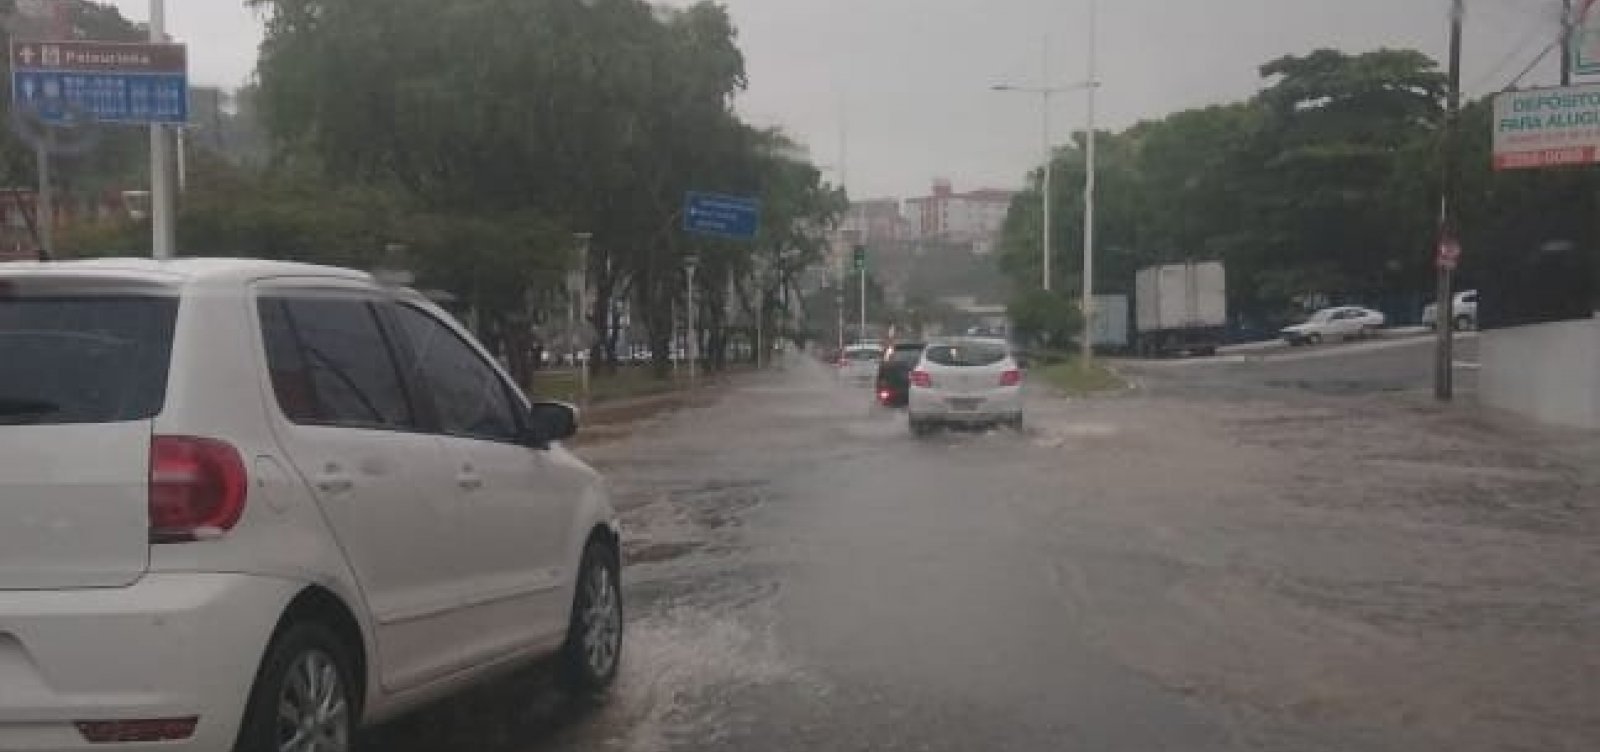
(804, 575)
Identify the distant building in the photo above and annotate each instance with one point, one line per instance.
(877, 220)
(976, 217)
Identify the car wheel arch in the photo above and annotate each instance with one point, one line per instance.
(317, 604)
(605, 536)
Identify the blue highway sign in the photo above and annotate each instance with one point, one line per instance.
(721, 215)
(110, 82)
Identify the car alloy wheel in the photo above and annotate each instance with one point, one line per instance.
(313, 710)
(593, 650)
(602, 621)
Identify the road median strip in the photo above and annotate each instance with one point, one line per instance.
(1079, 378)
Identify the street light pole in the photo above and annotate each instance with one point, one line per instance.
(1567, 30)
(1444, 320)
(163, 230)
(1049, 172)
(861, 333)
(1045, 92)
(578, 287)
(1089, 189)
(692, 350)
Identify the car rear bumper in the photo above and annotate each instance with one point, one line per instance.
(170, 646)
(989, 406)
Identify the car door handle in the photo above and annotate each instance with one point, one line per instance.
(333, 483)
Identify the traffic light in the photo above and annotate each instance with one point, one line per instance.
(860, 259)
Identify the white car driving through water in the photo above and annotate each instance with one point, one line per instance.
(255, 506)
(967, 382)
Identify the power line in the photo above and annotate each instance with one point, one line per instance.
(1531, 66)
(1512, 54)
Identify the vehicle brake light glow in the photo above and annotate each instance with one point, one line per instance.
(922, 379)
(197, 488)
(1011, 378)
(145, 730)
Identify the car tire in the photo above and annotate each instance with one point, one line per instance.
(1015, 423)
(1463, 323)
(302, 655)
(592, 653)
(921, 428)
(1313, 339)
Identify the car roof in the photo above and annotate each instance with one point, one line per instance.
(179, 270)
(958, 341)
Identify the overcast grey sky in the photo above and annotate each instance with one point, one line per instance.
(909, 79)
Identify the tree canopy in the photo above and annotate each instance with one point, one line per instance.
(537, 120)
(1323, 184)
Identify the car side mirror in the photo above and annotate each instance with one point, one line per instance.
(551, 421)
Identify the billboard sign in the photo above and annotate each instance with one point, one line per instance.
(1547, 127)
(1586, 39)
(109, 82)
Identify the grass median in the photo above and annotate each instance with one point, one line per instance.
(625, 383)
(1078, 378)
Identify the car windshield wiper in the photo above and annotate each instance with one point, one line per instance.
(14, 411)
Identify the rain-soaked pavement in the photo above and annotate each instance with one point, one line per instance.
(1226, 558)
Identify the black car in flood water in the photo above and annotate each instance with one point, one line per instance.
(894, 373)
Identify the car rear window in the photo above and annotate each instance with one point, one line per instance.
(966, 354)
(906, 354)
(82, 358)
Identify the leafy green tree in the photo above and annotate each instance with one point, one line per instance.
(609, 112)
(1045, 319)
(1319, 184)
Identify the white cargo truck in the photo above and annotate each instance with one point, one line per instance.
(1181, 308)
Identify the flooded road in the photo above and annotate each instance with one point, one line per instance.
(1252, 568)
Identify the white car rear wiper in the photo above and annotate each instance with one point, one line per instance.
(16, 412)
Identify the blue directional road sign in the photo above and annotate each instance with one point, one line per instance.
(61, 82)
(725, 216)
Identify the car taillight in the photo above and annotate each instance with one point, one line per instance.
(197, 488)
(884, 395)
(922, 379)
(1011, 378)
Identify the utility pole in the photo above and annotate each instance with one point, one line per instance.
(838, 306)
(1449, 236)
(163, 208)
(861, 333)
(1049, 161)
(693, 349)
(1567, 29)
(44, 200)
(1089, 187)
(578, 292)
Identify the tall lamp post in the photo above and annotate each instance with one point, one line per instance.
(692, 350)
(163, 228)
(578, 287)
(1449, 240)
(1089, 86)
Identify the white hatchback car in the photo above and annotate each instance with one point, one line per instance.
(965, 382)
(253, 506)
